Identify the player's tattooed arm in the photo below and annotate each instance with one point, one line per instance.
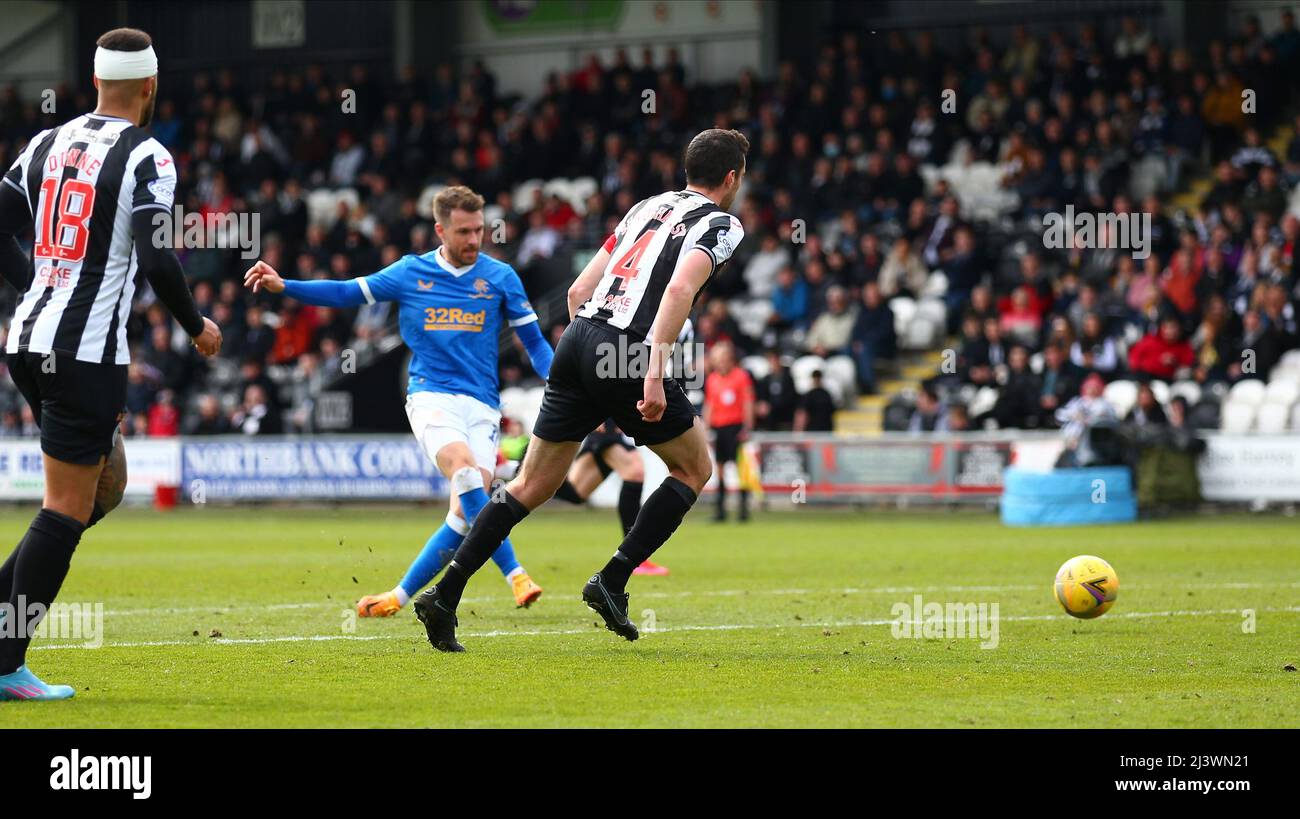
(112, 479)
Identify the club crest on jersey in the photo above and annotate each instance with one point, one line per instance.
(423, 285)
(164, 189)
(678, 230)
(481, 289)
(724, 243)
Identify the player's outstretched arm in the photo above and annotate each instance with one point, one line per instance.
(539, 350)
(322, 292)
(675, 306)
(14, 217)
(160, 266)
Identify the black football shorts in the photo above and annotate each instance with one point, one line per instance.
(582, 391)
(77, 404)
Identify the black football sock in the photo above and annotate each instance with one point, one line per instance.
(744, 504)
(96, 515)
(629, 504)
(722, 494)
(567, 492)
(491, 527)
(660, 516)
(7, 573)
(43, 560)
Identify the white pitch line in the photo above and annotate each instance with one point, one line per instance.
(678, 594)
(319, 638)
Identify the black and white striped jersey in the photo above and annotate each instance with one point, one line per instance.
(82, 181)
(646, 248)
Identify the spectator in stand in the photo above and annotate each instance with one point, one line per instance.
(1259, 350)
(930, 414)
(816, 411)
(729, 413)
(1017, 404)
(832, 332)
(763, 271)
(903, 273)
(973, 364)
(209, 420)
(789, 301)
(258, 339)
(963, 269)
(257, 415)
(1146, 410)
(1060, 381)
(1094, 351)
(872, 337)
(1022, 318)
(1161, 354)
(1082, 413)
(775, 399)
(164, 419)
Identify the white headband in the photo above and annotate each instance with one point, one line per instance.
(125, 65)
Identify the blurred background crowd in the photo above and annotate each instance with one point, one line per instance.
(894, 205)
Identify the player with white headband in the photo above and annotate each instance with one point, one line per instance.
(93, 187)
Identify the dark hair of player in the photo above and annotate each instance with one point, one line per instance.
(713, 154)
(124, 39)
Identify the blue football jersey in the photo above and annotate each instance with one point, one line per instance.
(451, 319)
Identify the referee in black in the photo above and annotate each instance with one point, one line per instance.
(92, 188)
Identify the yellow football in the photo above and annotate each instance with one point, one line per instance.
(1086, 586)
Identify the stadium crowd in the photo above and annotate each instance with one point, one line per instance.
(845, 211)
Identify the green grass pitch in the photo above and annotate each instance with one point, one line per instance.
(237, 617)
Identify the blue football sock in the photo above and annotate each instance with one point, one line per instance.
(505, 559)
(441, 545)
(471, 503)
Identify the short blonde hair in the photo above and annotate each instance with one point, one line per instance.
(457, 197)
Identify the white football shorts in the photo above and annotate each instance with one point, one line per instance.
(439, 418)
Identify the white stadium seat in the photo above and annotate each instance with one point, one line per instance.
(1189, 390)
(1161, 391)
(844, 372)
(584, 186)
(1238, 418)
(936, 285)
(1250, 391)
(1272, 418)
(983, 401)
(802, 369)
(934, 310)
(1282, 391)
(756, 366)
(320, 207)
(424, 205)
(523, 194)
(904, 310)
(922, 333)
(1122, 395)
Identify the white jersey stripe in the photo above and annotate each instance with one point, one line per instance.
(81, 304)
(365, 290)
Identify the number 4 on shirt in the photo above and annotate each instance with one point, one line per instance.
(629, 264)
